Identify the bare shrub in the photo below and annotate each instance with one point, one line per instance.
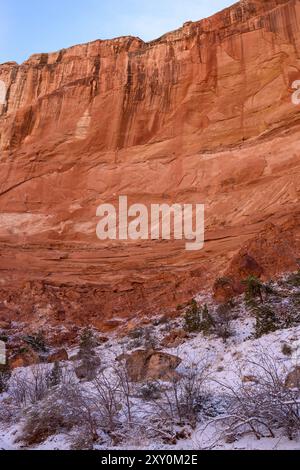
(102, 408)
(182, 403)
(30, 385)
(55, 413)
(98, 409)
(55, 376)
(9, 412)
(106, 400)
(81, 440)
(143, 338)
(80, 402)
(126, 390)
(262, 405)
(224, 317)
(84, 413)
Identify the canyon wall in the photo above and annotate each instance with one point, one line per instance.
(201, 115)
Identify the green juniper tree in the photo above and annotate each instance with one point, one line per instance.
(89, 362)
(266, 321)
(207, 323)
(36, 341)
(198, 319)
(254, 289)
(193, 317)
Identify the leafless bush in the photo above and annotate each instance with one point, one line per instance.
(9, 412)
(66, 408)
(54, 413)
(182, 403)
(99, 408)
(81, 440)
(143, 338)
(29, 386)
(223, 321)
(125, 391)
(67, 377)
(32, 384)
(106, 399)
(261, 403)
(84, 412)
(80, 402)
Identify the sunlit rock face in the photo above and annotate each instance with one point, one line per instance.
(203, 114)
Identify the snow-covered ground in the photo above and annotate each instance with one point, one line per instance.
(225, 363)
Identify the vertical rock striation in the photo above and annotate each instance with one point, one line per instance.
(202, 114)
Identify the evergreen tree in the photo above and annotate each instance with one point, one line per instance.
(254, 289)
(199, 319)
(89, 362)
(193, 318)
(87, 343)
(266, 321)
(207, 323)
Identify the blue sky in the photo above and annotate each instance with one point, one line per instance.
(30, 26)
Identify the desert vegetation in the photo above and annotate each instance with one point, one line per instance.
(235, 388)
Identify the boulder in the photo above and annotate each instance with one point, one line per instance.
(174, 339)
(293, 379)
(58, 356)
(143, 365)
(223, 290)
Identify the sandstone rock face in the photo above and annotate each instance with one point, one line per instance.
(273, 251)
(202, 115)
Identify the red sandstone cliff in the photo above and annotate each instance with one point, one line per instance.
(203, 114)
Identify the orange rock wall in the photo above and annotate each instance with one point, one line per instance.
(203, 114)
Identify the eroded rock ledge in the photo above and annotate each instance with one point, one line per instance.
(203, 114)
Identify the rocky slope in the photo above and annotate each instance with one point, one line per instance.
(230, 384)
(202, 114)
